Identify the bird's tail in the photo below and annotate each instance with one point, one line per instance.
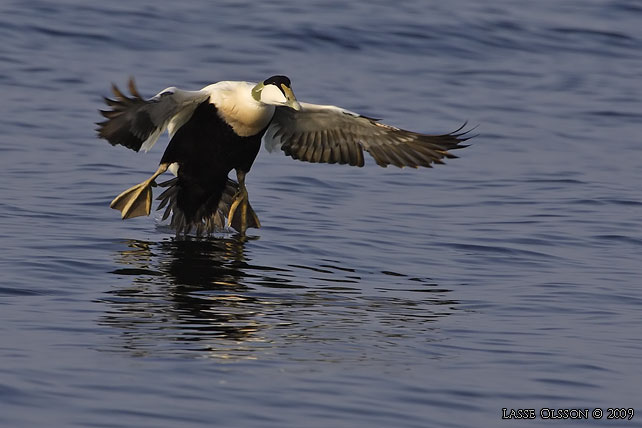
(205, 221)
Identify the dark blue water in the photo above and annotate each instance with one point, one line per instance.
(509, 278)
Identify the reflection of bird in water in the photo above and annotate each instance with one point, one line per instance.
(209, 296)
(203, 263)
(188, 291)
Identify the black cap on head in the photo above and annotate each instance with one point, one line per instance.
(278, 81)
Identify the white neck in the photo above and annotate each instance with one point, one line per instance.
(238, 108)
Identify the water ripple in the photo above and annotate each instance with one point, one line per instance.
(379, 297)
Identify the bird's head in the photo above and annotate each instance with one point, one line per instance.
(276, 90)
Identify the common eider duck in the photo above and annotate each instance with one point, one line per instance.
(220, 128)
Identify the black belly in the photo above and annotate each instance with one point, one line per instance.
(206, 149)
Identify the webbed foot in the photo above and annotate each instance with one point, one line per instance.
(241, 215)
(137, 200)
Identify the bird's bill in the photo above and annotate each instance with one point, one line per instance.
(291, 99)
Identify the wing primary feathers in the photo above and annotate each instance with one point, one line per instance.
(137, 123)
(360, 160)
(128, 123)
(326, 151)
(330, 134)
(132, 88)
(354, 149)
(396, 157)
(378, 156)
(407, 156)
(118, 93)
(112, 103)
(307, 144)
(109, 114)
(318, 144)
(345, 153)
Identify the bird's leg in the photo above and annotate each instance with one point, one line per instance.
(137, 200)
(241, 215)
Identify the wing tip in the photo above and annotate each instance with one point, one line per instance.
(464, 135)
(116, 128)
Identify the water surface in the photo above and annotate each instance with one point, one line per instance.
(509, 278)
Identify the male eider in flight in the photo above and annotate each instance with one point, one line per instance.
(220, 128)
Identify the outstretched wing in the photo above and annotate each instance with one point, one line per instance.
(330, 134)
(137, 123)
